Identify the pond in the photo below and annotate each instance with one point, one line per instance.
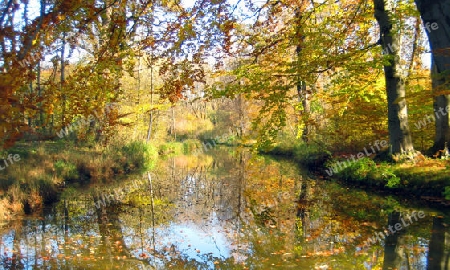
(227, 209)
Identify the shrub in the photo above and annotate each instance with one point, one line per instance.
(358, 170)
(388, 176)
(68, 171)
(312, 155)
(365, 169)
(171, 148)
(137, 155)
(446, 193)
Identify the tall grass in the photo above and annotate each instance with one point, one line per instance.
(45, 169)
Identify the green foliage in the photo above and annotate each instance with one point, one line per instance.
(69, 193)
(310, 154)
(298, 227)
(366, 170)
(283, 144)
(171, 148)
(190, 145)
(138, 155)
(389, 176)
(446, 193)
(151, 156)
(231, 140)
(66, 170)
(357, 171)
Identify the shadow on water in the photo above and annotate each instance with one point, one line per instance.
(438, 258)
(391, 257)
(228, 209)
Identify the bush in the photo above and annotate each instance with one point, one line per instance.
(311, 155)
(366, 170)
(138, 155)
(68, 171)
(151, 156)
(388, 176)
(356, 171)
(171, 148)
(446, 193)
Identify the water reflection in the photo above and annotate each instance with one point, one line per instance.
(437, 257)
(227, 210)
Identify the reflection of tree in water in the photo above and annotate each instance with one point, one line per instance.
(203, 196)
(111, 234)
(195, 194)
(391, 256)
(64, 240)
(269, 215)
(203, 189)
(438, 255)
(321, 227)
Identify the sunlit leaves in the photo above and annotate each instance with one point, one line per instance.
(295, 43)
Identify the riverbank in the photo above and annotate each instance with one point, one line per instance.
(424, 178)
(46, 168)
(35, 174)
(205, 205)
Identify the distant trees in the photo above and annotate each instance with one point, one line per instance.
(106, 35)
(309, 69)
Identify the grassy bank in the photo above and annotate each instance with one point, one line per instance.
(428, 179)
(46, 168)
(43, 170)
(424, 178)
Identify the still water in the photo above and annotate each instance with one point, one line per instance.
(227, 209)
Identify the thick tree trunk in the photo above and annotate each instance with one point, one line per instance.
(399, 133)
(436, 19)
(440, 103)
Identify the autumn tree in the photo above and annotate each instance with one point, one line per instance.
(20, 50)
(30, 40)
(399, 133)
(105, 33)
(436, 19)
(285, 57)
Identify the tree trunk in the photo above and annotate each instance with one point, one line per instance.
(399, 133)
(304, 95)
(39, 90)
(436, 19)
(440, 102)
(63, 77)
